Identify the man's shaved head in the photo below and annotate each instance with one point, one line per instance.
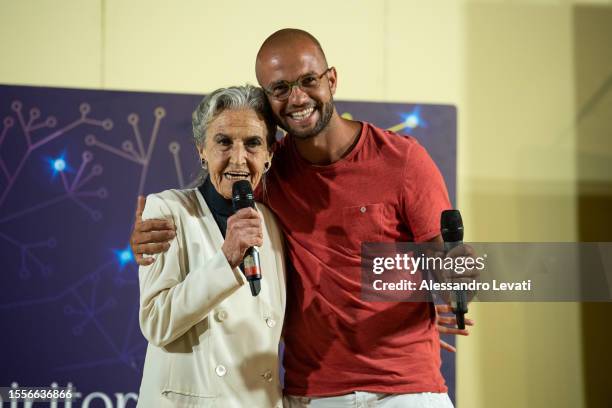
(289, 37)
(291, 55)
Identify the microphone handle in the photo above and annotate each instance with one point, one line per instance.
(252, 270)
(458, 297)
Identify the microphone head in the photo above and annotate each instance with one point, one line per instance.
(451, 225)
(242, 195)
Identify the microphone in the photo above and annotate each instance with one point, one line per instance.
(242, 197)
(452, 234)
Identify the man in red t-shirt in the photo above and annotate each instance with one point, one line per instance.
(335, 183)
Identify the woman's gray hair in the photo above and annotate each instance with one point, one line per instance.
(232, 98)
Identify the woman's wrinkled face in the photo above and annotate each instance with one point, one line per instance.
(235, 149)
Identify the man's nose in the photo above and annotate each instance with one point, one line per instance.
(297, 96)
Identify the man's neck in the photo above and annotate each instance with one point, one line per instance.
(332, 143)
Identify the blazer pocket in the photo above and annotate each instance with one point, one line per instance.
(362, 223)
(185, 400)
(190, 373)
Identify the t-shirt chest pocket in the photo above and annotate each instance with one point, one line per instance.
(362, 223)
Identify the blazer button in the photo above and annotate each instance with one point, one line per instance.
(270, 322)
(221, 315)
(220, 370)
(363, 209)
(267, 376)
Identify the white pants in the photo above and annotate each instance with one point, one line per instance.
(360, 399)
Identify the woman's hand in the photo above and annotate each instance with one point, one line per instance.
(243, 231)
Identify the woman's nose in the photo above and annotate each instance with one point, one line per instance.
(238, 156)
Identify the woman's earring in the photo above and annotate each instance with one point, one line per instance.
(204, 164)
(266, 166)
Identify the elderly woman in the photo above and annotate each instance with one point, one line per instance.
(211, 343)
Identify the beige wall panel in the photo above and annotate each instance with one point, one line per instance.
(50, 43)
(424, 49)
(522, 355)
(519, 90)
(197, 46)
(517, 182)
(593, 74)
(519, 353)
(593, 56)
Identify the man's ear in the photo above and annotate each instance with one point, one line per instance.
(332, 77)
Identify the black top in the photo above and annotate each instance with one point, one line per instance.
(220, 207)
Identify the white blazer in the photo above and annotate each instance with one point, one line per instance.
(211, 343)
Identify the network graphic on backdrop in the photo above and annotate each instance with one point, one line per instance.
(86, 311)
(72, 163)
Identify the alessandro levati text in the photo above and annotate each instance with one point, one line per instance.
(430, 284)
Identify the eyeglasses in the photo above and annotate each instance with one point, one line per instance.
(282, 89)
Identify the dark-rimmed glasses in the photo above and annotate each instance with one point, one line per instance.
(281, 90)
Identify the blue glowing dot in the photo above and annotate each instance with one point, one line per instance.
(59, 164)
(124, 256)
(413, 119)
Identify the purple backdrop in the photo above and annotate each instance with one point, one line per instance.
(71, 165)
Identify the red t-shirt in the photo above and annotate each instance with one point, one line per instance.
(386, 189)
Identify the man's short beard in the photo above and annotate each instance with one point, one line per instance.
(327, 111)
